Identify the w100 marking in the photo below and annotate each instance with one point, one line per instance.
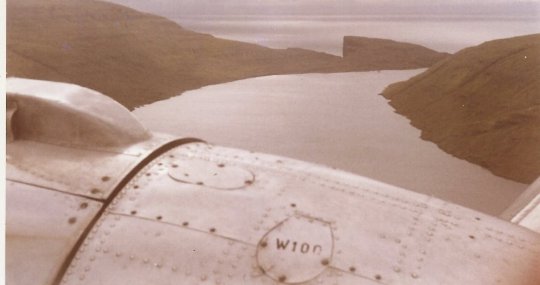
(304, 247)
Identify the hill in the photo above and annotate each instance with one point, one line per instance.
(373, 53)
(481, 104)
(138, 58)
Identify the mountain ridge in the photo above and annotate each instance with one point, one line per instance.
(138, 58)
(481, 104)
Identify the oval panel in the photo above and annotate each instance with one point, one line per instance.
(296, 250)
(211, 174)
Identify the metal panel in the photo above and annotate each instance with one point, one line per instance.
(130, 250)
(89, 172)
(70, 114)
(296, 250)
(380, 233)
(42, 226)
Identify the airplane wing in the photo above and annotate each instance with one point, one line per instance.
(143, 208)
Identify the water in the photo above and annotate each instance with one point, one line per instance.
(325, 33)
(334, 119)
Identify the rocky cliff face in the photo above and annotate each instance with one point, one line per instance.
(387, 54)
(481, 104)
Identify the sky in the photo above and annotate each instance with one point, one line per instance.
(528, 8)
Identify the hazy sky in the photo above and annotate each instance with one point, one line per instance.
(529, 8)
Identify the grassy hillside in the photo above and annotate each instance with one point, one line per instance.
(366, 52)
(135, 57)
(481, 104)
(138, 58)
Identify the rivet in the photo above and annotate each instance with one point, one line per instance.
(282, 278)
(95, 191)
(414, 275)
(105, 178)
(325, 262)
(263, 244)
(185, 224)
(83, 205)
(159, 218)
(212, 230)
(293, 205)
(378, 277)
(133, 212)
(352, 269)
(72, 220)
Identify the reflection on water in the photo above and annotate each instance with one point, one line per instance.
(325, 33)
(333, 119)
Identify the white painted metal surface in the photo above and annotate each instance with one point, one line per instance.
(380, 234)
(214, 175)
(70, 115)
(42, 227)
(92, 173)
(297, 250)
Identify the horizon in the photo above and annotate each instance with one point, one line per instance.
(171, 8)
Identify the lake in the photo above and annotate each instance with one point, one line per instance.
(337, 120)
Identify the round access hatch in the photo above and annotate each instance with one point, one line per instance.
(211, 174)
(296, 250)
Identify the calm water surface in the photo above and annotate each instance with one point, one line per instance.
(334, 119)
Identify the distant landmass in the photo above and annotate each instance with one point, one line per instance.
(139, 58)
(481, 104)
(387, 54)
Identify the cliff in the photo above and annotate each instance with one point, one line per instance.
(373, 53)
(481, 104)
